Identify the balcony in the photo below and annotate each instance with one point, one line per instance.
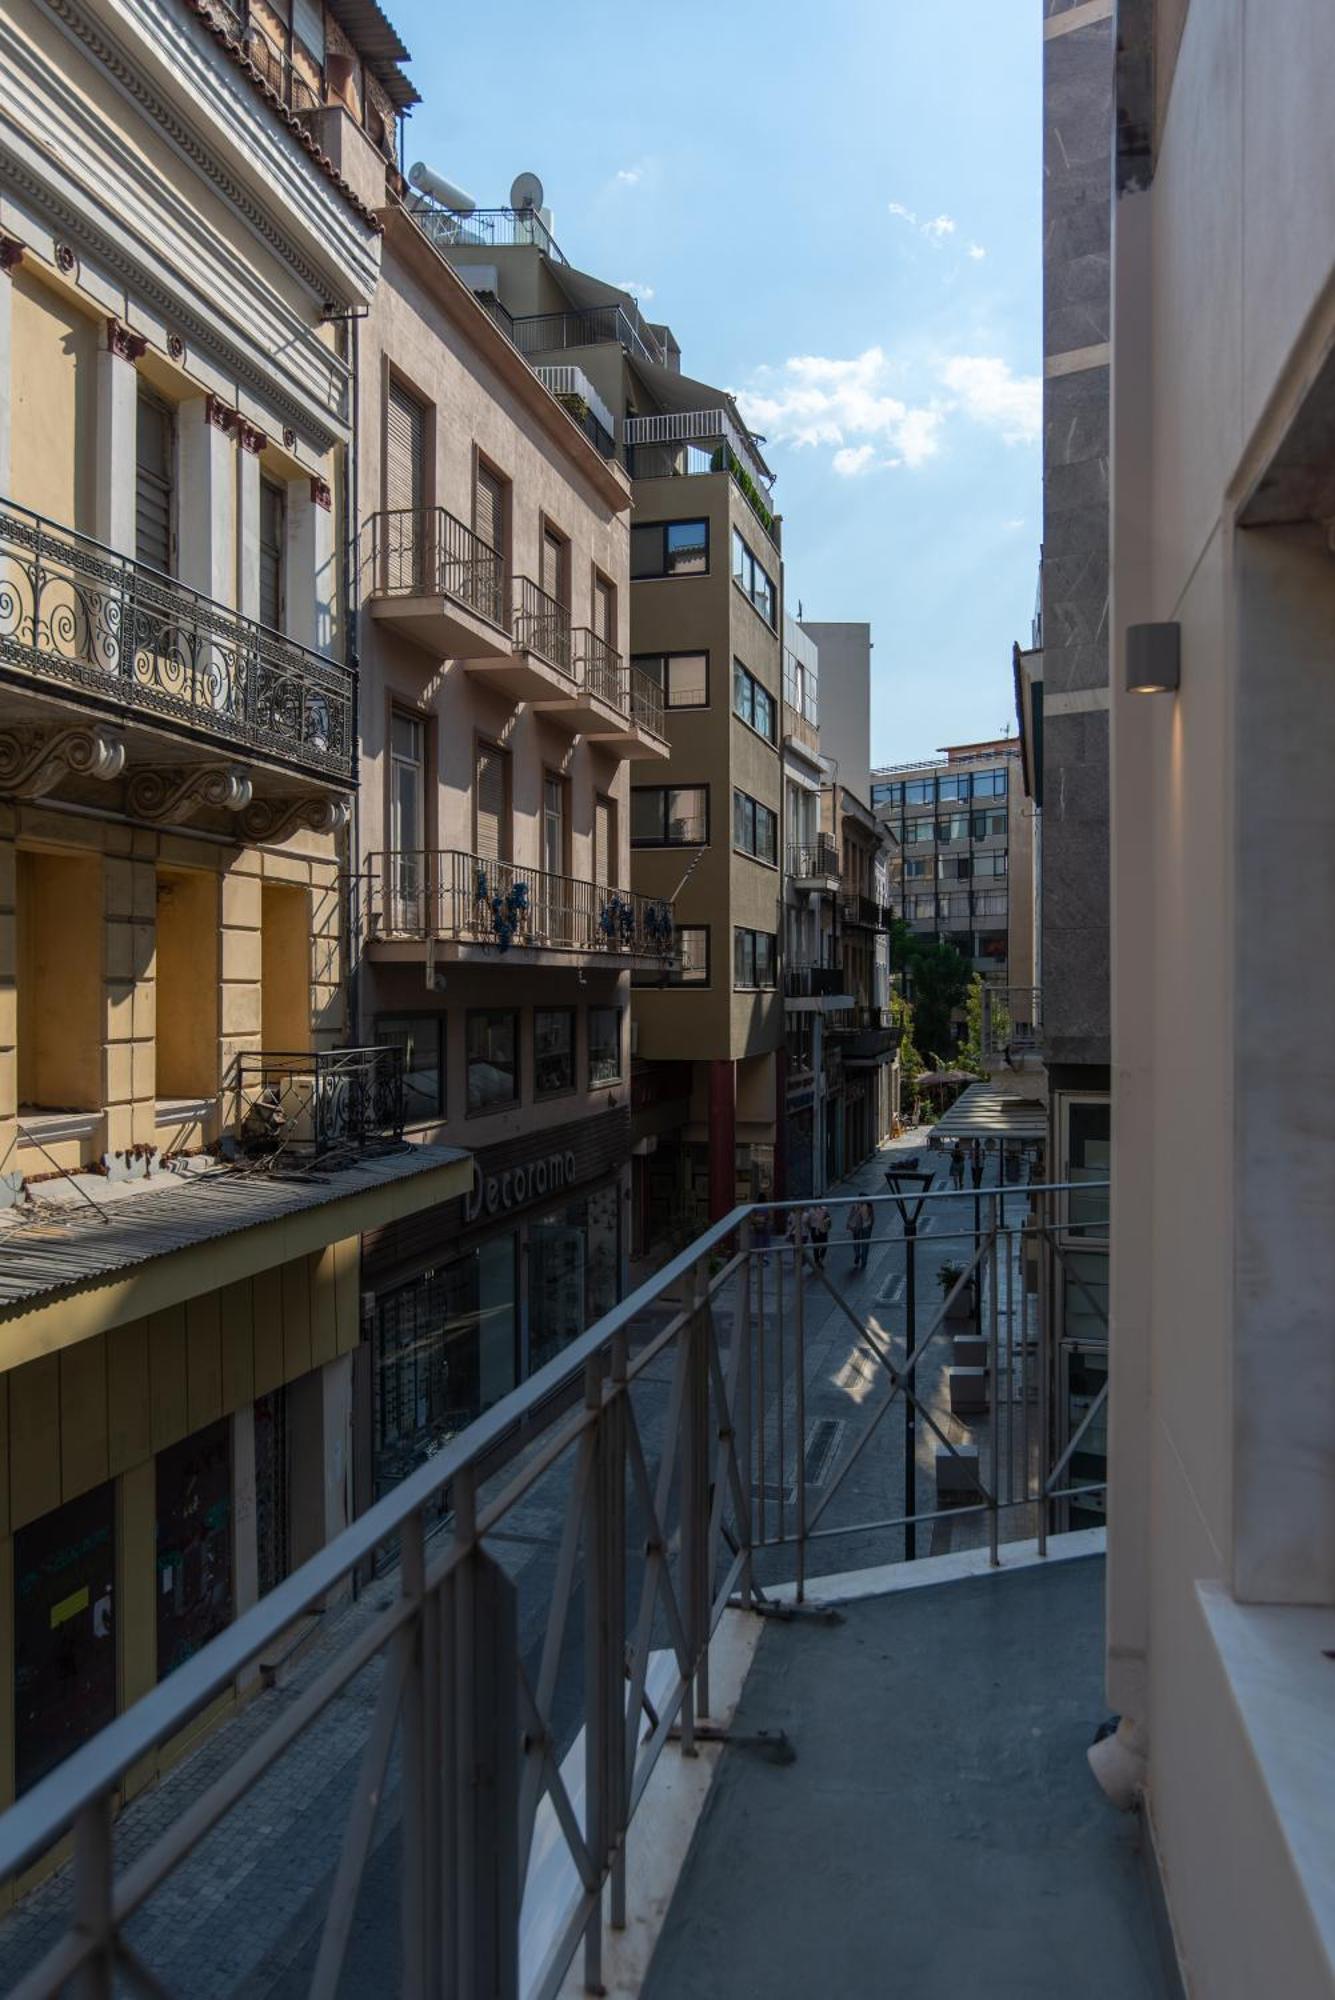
(862, 912)
(1012, 1028)
(816, 989)
(482, 228)
(434, 581)
(687, 443)
(866, 1046)
(473, 907)
(578, 397)
(711, 1453)
(317, 1105)
(814, 865)
(642, 730)
(552, 333)
(81, 625)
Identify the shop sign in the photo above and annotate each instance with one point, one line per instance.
(515, 1187)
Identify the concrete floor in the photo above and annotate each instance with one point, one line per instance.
(939, 1834)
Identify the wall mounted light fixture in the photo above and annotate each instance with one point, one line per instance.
(1153, 659)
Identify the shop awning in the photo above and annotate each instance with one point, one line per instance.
(984, 1111)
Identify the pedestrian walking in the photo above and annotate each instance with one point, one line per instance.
(861, 1221)
(818, 1225)
(957, 1165)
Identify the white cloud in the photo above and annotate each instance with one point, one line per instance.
(939, 228)
(851, 459)
(935, 229)
(637, 290)
(987, 391)
(875, 413)
(628, 176)
(904, 214)
(977, 252)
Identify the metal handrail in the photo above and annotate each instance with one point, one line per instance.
(542, 624)
(586, 326)
(483, 228)
(565, 379)
(506, 906)
(311, 1103)
(715, 1350)
(598, 668)
(647, 704)
(428, 552)
(76, 612)
(690, 427)
(816, 857)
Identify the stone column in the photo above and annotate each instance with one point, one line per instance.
(117, 442)
(312, 579)
(206, 507)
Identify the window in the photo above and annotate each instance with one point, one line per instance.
(555, 562)
(754, 957)
(554, 820)
(421, 1037)
(604, 605)
(988, 864)
(489, 507)
(155, 483)
(921, 792)
(273, 535)
(604, 1045)
(954, 828)
(990, 785)
(688, 965)
(953, 867)
(605, 858)
(990, 903)
(752, 702)
(493, 1059)
(920, 830)
(683, 677)
(308, 26)
(917, 866)
(405, 458)
(553, 1050)
(754, 581)
(669, 816)
(407, 817)
(991, 944)
(491, 804)
(755, 829)
(952, 788)
(669, 548)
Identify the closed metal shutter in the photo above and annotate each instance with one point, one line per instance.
(308, 26)
(489, 509)
(553, 548)
(405, 430)
(492, 832)
(604, 611)
(273, 520)
(604, 842)
(155, 468)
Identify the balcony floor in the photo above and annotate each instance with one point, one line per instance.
(939, 1833)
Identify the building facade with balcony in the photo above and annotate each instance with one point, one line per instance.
(862, 1046)
(964, 867)
(705, 624)
(192, 1143)
(500, 710)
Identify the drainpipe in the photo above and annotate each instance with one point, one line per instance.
(352, 613)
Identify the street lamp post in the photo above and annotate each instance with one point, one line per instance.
(897, 1179)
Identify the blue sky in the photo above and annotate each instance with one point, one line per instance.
(837, 210)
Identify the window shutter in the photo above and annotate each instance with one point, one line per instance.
(489, 509)
(308, 26)
(604, 618)
(154, 470)
(273, 511)
(490, 796)
(551, 565)
(405, 429)
(602, 843)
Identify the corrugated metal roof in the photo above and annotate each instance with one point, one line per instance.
(378, 41)
(984, 1112)
(59, 1250)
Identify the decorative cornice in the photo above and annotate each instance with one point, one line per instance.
(269, 822)
(217, 413)
(120, 341)
(11, 254)
(131, 80)
(321, 494)
(33, 761)
(40, 196)
(159, 795)
(250, 437)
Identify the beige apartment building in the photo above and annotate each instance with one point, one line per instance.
(1221, 1530)
(177, 767)
(499, 714)
(705, 623)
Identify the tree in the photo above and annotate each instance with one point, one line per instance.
(939, 978)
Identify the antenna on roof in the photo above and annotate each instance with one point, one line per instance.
(525, 191)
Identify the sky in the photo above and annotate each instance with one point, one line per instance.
(835, 205)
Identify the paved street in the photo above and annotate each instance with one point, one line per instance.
(242, 1916)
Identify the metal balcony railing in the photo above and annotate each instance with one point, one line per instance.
(647, 705)
(316, 1103)
(426, 552)
(814, 860)
(599, 669)
(709, 428)
(288, 73)
(549, 333)
(483, 228)
(863, 911)
(504, 1718)
(75, 615)
(577, 395)
(542, 625)
(473, 899)
(814, 982)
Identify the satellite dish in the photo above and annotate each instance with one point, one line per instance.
(526, 191)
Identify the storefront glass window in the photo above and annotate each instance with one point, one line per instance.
(553, 1050)
(604, 1045)
(573, 1271)
(493, 1059)
(194, 1533)
(64, 1635)
(421, 1037)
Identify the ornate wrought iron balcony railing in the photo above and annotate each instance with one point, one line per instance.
(426, 552)
(76, 616)
(316, 1103)
(471, 899)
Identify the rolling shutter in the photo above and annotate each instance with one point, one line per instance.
(552, 551)
(405, 430)
(492, 832)
(604, 611)
(489, 509)
(155, 466)
(603, 843)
